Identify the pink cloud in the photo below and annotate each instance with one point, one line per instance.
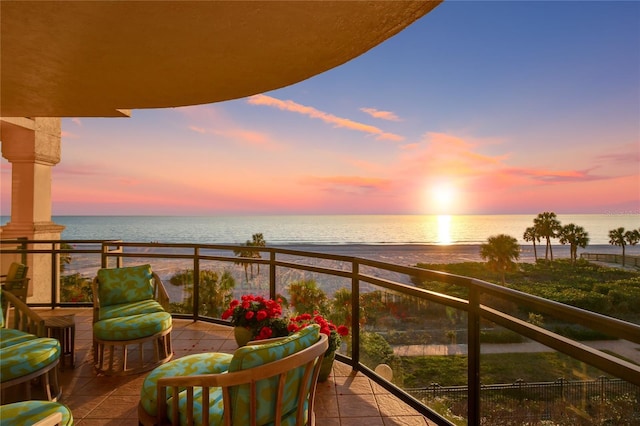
(347, 183)
(311, 112)
(383, 115)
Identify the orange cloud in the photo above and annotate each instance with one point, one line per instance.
(383, 115)
(244, 136)
(324, 116)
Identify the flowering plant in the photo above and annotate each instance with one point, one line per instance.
(260, 315)
(335, 333)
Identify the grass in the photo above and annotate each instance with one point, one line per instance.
(609, 291)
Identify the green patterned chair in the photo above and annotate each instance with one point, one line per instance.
(40, 413)
(129, 311)
(16, 280)
(270, 383)
(24, 354)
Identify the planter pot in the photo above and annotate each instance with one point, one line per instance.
(326, 366)
(242, 335)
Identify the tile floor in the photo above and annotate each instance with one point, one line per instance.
(346, 399)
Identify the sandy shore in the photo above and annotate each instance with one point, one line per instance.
(411, 254)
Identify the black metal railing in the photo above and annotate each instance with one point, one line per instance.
(361, 275)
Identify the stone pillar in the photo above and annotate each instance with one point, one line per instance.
(32, 146)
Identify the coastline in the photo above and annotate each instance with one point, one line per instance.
(411, 254)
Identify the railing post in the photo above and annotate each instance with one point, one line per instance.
(355, 313)
(473, 367)
(196, 283)
(55, 261)
(103, 256)
(272, 275)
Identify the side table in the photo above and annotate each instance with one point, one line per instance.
(63, 328)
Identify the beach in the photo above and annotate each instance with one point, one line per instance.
(412, 254)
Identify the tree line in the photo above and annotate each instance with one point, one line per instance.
(501, 251)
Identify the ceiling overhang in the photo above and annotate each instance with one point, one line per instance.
(96, 58)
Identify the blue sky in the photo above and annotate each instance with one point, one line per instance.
(478, 107)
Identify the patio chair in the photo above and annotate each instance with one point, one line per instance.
(272, 383)
(16, 280)
(36, 413)
(25, 354)
(129, 309)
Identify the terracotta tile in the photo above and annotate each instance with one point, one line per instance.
(325, 406)
(328, 421)
(361, 421)
(392, 406)
(82, 405)
(405, 421)
(326, 388)
(377, 389)
(358, 406)
(340, 369)
(351, 385)
(116, 407)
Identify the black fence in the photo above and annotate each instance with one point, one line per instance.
(545, 400)
(628, 260)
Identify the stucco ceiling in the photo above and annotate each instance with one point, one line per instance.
(93, 58)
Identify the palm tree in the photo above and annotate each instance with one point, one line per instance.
(617, 238)
(620, 237)
(243, 253)
(531, 235)
(547, 227)
(500, 251)
(257, 240)
(576, 236)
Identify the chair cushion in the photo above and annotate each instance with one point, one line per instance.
(190, 365)
(10, 337)
(27, 357)
(132, 327)
(125, 285)
(257, 355)
(148, 306)
(29, 412)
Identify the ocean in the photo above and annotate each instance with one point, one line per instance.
(328, 229)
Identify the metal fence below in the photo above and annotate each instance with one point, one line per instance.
(544, 400)
(627, 260)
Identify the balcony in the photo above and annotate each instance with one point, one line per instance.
(355, 394)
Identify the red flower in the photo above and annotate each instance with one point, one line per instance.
(249, 315)
(265, 333)
(261, 315)
(343, 330)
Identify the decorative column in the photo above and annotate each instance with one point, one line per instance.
(32, 146)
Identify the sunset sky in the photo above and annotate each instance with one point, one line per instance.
(478, 108)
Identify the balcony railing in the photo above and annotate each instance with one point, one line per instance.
(484, 304)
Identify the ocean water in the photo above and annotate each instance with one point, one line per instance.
(327, 229)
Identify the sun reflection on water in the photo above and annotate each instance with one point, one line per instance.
(444, 229)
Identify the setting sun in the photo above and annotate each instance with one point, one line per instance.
(443, 198)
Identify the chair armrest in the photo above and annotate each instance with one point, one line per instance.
(161, 295)
(24, 318)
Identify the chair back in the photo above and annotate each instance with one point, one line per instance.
(125, 285)
(16, 280)
(22, 317)
(273, 384)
